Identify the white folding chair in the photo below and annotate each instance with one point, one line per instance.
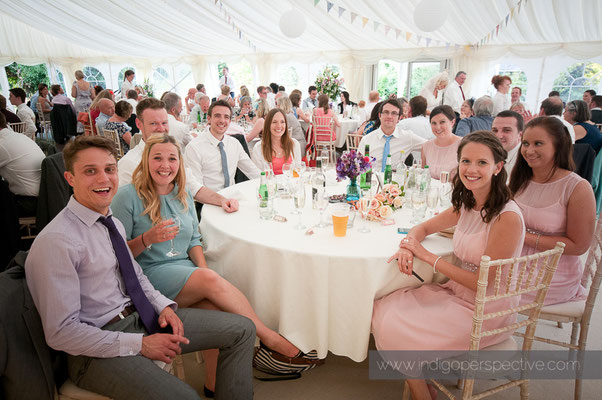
(353, 141)
(114, 136)
(18, 127)
(323, 132)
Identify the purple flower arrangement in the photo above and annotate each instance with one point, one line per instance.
(352, 164)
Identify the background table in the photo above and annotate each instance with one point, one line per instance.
(318, 290)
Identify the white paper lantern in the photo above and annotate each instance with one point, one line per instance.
(430, 15)
(292, 24)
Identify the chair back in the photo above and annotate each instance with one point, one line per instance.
(353, 141)
(584, 157)
(592, 274)
(135, 140)
(18, 127)
(41, 116)
(323, 128)
(114, 136)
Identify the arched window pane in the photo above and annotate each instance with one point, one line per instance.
(577, 79)
(61, 79)
(94, 76)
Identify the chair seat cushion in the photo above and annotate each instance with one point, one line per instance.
(69, 391)
(569, 309)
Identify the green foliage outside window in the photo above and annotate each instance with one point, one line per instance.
(27, 77)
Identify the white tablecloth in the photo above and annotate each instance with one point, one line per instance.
(347, 125)
(316, 290)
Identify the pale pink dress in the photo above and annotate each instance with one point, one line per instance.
(439, 317)
(440, 158)
(544, 207)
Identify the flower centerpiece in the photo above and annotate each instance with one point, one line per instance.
(328, 82)
(147, 86)
(384, 203)
(350, 165)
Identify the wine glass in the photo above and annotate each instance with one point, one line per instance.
(363, 206)
(325, 157)
(322, 203)
(299, 196)
(175, 222)
(419, 205)
(432, 199)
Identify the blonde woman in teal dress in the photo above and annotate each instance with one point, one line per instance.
(146, 208)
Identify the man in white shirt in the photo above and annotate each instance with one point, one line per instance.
(211, 159)
(419, 122)
(179, 130)
(152, 120)
(227, 80)
(202, 107)
(552, 107)
(508, 127)
(17, 99)
(389, 139)
(373, 98)
(312, 101)
(20, 166)
(262, 92)
(454, 94)
(107, 109)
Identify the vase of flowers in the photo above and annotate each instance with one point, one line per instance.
(147, 86)
(328, 82)
(350, 165)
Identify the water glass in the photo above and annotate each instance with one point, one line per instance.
(299, 196)
(322, 204)
(419, 205)
(363, 206)
(175, 222)
(432, 199)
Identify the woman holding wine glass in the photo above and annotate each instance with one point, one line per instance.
(150, 209)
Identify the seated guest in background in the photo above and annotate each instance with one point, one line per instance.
(466, 111)
(388, 138)
(324, 110)
(96, 304)
(293, 125)
(577, 113)
(41, 98)
(200, 110)
(271, 96)
(179, 130)
(94, 107)
(438, 317)
(372, 123)
(25, 114)
(482, 119)
(145, 208)
(117, 122)
(20, 166)
(211, 159)
(520, 108)
(98, 89)
(244, 92)
(311, 101)
(554, 93)
(132, 97)
(10, 116)
(107, 109)
(552, 107)
(58, 97)
(281, 93)
(454, 94)
(441, 153)
(245, 111)
(261, 112)
(588, 95)
(515, 95)
(201, 88)
(373, 100)
(595, 109)
(295, 99)
(557, 204)
(262, 92)
(277, 146)
(508, 127)
(361, 110)
(189, 99)
(225, 96)
(405, 108)
(342, 106)
(418, 122)
(501, 102)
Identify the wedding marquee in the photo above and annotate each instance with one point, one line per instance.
(542, 36)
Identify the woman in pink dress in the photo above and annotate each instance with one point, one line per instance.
(323, 110)
(488, 222)
(277, 146)
(558, 205)
(441, 153)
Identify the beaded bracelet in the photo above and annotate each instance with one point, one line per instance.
(435, 265)
(144, 244)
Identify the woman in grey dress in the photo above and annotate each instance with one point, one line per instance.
(83, 94)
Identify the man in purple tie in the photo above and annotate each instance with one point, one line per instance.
(96, 304)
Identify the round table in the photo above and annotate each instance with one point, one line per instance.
(316, 290)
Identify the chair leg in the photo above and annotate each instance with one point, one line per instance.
(460, 384)
(574, 333)
(178, 365)
(406, 391)
(577, 389)
(524, 391)
(199, 357)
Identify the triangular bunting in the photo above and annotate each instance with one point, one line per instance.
(364, 22)
(507, 18)
(408, 36)
(497, 30)
(329, 6)
(387, 29)
(316, 2)
(397, 33)
(519, 4)
(512, 13)
(341, 11)
(353, 17)
(418, 37)
(376, 24)
(428, 41)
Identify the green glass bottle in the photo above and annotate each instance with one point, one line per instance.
(388, 171)
(366, 177)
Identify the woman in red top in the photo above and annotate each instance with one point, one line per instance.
(277, 146)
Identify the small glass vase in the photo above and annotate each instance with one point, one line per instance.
(353, 190)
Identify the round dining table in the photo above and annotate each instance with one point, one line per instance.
(317, 290)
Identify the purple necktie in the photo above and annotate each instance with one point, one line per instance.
(145, 309)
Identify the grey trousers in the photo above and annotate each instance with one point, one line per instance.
(137, 377)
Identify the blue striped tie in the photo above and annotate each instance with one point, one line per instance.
(224, 164)
(386, 150)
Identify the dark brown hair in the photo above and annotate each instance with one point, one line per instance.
(499, 194)
(266, 138)
(85, 142)
(418, 106)
(445, 110)
(563, 152)
(123, 109)
(149, 102)
(222, 103)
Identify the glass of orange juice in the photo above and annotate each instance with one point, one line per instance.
(340, 216)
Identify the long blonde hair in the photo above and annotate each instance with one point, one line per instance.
(145, 187)
(263, 108)
(104, 94)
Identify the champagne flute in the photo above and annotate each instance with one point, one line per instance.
(322, 204)
(299, 199)
(363, 207)
(419, 205)
(432, 199)
(175, 222)
(325, 159)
